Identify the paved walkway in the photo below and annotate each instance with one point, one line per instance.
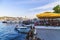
(48, 34)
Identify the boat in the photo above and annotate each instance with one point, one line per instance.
(22, 29)
(8, 22)
(4, 22)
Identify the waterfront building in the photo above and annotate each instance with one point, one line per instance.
(49, 19)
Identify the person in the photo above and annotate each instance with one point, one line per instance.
(29, 35)
(34, 30)
(16, 27)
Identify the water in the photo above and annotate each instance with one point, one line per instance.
(7, 32)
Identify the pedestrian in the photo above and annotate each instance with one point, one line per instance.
(16, 27)
(29, 35)
(34, 30)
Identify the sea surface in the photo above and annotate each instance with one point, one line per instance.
(8, 32)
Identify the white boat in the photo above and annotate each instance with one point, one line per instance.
(22, 29)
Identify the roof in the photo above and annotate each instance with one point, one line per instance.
(48, 15)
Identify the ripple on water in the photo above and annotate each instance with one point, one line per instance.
(7, 32)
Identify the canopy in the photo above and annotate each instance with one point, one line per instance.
(48, 15)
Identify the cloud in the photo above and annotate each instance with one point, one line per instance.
(51, 5)
(45, 8)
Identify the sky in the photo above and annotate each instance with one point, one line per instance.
(28, 8)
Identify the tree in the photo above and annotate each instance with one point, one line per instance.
(57, 9)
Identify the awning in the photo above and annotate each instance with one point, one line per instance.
(48, 15)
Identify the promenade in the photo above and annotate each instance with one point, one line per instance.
(48, 33)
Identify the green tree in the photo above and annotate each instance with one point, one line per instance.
(57, 9)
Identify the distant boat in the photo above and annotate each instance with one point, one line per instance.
(4, 22)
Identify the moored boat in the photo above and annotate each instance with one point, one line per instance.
(22, 29)
(4, 22)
